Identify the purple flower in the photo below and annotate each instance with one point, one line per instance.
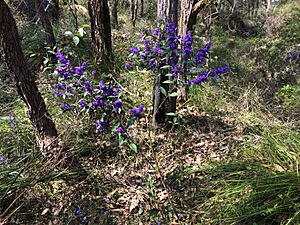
(116, 91)
(118, 105)
(95, 104)
(70, 88)
(155, 32)
(135, 50)
(12, 121)
(152, 64)
(120, 130)
(87, 86)
(78, 70)
(58, 93)
(65, 106)
(84, 104)
(100, 125)
(77, 211)
(201, 78)
(157, 51)
(176, 70)
(84, 219)
(128, 65)
(106, 200)
(98, 97)
(146, 42)
(2, 158)
(83, 66)
(60, 57)
(60, 86)
(106, 212)
(94, 73)
(10, 155)
(136, 111)
(102, 86)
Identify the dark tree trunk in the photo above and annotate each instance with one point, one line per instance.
(55, 10)
(40, 119)
(39, 6)
(101, 33)
(167, 11)
(133, 9)
(142, 8)
(114, 13)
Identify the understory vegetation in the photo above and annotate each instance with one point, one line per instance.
(230, 155)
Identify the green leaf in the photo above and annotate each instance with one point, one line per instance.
(174, 94)
(165, 67)
(170, 114)
(163, 91)
(76, 40)
(68, 34)
(153, 212)
(168, 82)
(85, 25)
(121, 140)
(133, 147)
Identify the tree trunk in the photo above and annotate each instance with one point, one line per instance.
(133, 9)
(268, 6)
(142, 8)
(185, 14)
(189, 12)
(55, 10)
(167, 11)
(114, 13)
(101, 33)
(39, 6)
(44, 127)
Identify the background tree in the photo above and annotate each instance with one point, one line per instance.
(188, 14)
(40, 9)
(114, 13)
(133, 10)
(167, 10)
(101, 32)
(142, 8)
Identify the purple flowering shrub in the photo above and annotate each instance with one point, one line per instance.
(79, 92)
(164, 52)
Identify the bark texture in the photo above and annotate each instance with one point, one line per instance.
(114, 13)
(101, 33)
(133, 9)
(142, 8)
(167, 10)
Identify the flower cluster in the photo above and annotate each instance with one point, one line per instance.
(294, 55)
(79, 92)
(165, 52)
